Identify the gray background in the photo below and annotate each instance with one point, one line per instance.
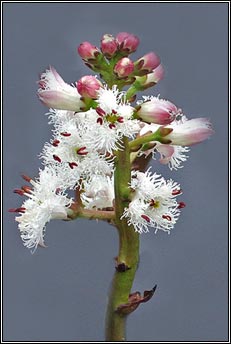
(60, 293)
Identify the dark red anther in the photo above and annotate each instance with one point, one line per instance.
(167, 217)
(65, 134)
(120, 119)
(176, 192)
(42, 84)
(99, 120)
(56, 158)
(181, 205)
(114, 112)
(55, 143)
(152, 203)
(17, 210)
(19, 192)
(26, 188)
(100, 111)
(72, 165)
(112, 125)
(81, 151)
(145, 217)
(26, 178)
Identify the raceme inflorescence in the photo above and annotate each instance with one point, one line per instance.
(92, 119)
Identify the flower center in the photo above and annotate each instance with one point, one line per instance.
(112, 118)
(154, 203)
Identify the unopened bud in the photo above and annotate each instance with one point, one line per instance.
(124, 67)
(88, 51)
(88, 86)
(109, 45)
(156, 110)
(128, 42)
(146, 64)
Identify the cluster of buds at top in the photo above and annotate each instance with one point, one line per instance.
(113, 56)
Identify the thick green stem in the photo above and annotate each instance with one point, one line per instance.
(128, 250)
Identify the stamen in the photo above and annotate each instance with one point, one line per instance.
(65, 134)
(17, 210)
(112, 125)
(26, 178)
(42, 84)
(57, 191)
(181, 205)
(72, 165)
(99, 120)
(26, 188)
(154, 204)
(100, 111)
(114, 112)
(176, 192)
(81, 151)
(120, 119)
(19, 192)
(145, 217)
(57, 158)
(167, 217)
(55, 143)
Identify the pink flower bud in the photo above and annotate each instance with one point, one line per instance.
(190, 132)
(55, 93)
(109, 45)
(128, 42)
(150, 79)
(88, 86)
(157, 111)
(88, 51)
(147, 63)
(124, 67)
(156, 75)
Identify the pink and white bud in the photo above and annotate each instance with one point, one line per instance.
(156, 75)
(147, 63)
(150, 79)
(128, 42)
(190, 132)
(55, 93)
(88, 51)
(166, 152)
(159, 111)
(109, 45)
(88, 86)
(124, 67)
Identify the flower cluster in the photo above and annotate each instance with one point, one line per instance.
(153, 203)
(90, 119)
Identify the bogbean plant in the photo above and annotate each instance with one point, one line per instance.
(102, 140)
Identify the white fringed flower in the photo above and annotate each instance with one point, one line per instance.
(174, 156)
(111, 120)
(154, 203)
(69, 152)
(46, 201)
(98, 192)
(171, 155)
